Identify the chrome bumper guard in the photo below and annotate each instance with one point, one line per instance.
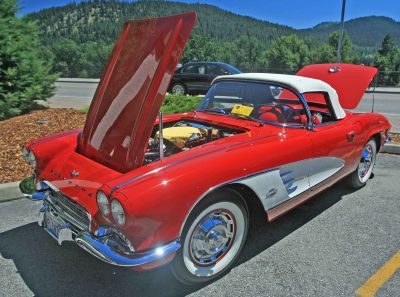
(95, 246)
(109, 245)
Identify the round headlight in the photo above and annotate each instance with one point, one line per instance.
(102, 203)
(117, 212)
(32, 159)
(25, 154)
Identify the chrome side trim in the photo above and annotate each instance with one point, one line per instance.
(323, 168)
(278, 185)
(96, 247)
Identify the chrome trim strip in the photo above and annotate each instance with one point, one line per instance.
(52, 136)
(180, 161)
(285, 182)
(102, 251)
(217, 187)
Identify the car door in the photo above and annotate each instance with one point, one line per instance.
(203, 80)
(293, 150)
(333, 142)
(194, 77)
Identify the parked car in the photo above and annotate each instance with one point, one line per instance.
(139, 191)
(196, 77)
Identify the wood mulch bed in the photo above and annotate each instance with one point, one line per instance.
(16, 131)
(395, 138)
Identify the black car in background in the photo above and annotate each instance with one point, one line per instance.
(195, 77)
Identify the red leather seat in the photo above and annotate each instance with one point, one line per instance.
(270, 114)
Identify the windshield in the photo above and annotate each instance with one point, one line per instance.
(252, 100)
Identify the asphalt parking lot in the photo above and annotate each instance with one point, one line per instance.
(329, 246)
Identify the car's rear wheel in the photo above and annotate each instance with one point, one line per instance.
(178, 89)
(366, 165)
(212, 238)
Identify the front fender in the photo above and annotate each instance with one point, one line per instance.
(45, 148)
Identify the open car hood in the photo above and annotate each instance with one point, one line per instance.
(130, 93)
(349, 81)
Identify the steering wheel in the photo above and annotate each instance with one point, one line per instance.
(288, 112)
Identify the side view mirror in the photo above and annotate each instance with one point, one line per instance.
(315, 120)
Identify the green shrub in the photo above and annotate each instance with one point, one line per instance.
(173, 104)
(24, 65)
(179, 103)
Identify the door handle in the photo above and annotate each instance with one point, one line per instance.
(350, 136)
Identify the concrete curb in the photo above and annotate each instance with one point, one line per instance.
(384, 90)
(79, 80)
(10, 191)
(391, 148)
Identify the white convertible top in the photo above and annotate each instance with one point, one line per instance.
(299, 83)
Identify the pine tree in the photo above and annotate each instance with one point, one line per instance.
(24, 74)
(387, 60)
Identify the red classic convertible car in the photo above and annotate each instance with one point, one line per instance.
(137, 189)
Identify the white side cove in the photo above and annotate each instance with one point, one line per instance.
(299, 83)
(275, 186)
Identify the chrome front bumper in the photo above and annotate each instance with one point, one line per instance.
(109, 245)
(95, 246)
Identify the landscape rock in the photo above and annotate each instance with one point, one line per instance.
(40, 104)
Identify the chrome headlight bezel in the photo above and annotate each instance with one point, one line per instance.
(103, 204)
(25, 154)
(32, 159)
(118, 212)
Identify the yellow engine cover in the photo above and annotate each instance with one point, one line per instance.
(180, 135)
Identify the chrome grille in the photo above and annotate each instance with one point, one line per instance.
(80, 217)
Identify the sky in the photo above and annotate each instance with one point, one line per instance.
(294, 13)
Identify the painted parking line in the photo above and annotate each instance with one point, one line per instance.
(379, 278)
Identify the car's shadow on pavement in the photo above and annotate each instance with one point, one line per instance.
(50, 270)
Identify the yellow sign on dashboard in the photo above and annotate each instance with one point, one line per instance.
(242, 109)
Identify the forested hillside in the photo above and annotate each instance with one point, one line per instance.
(364, 32)
(79, 37)
(102, 20)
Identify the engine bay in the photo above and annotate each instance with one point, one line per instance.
(182, 136)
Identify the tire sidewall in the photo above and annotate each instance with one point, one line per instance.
(355, 178)
(181, 267)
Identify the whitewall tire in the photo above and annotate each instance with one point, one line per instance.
(365, 167)
(213, 237)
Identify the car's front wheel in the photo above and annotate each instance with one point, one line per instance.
(178, 89)
(365, 167)
(212, 238)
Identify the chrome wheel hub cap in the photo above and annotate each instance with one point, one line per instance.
(366, 162)
(212, 237)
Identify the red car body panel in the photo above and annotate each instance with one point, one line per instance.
(131, 91)
(158, 197)
(349, 81)
(161, 194)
